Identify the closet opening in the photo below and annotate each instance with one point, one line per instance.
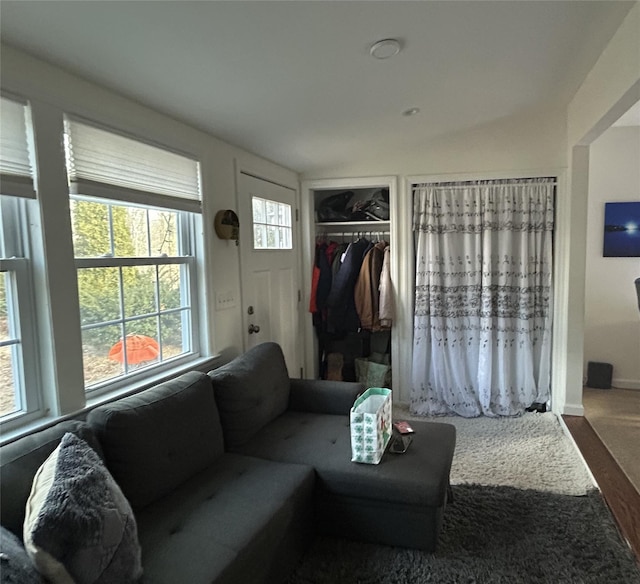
(351, 302)
(483, 300)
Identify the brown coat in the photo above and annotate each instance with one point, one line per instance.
(386, 307)
(366, 293)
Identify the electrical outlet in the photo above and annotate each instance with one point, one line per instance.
(226, 299)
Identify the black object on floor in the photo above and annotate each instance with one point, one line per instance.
(599, 375)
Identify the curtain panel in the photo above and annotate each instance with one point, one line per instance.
(483, 297)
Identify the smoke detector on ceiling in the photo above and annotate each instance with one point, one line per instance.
(385, 48)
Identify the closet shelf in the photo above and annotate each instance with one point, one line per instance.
(368, 225)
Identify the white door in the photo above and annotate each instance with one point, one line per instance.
(269, 268)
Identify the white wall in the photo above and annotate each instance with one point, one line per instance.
(612, 320)
(611, 87)
(52, 92)
(517, 146)
(528, 141)
(524, 144)
(531, 144)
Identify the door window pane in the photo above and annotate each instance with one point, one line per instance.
(271, 224)
(259, 214)
(259, 236)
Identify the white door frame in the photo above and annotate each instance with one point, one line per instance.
(398, 275)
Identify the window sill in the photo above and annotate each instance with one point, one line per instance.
(204, 364)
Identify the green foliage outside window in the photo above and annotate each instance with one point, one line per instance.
(104, 230)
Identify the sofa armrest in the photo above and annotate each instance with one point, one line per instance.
(323, 397)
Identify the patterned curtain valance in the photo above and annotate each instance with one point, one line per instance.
(479, 206)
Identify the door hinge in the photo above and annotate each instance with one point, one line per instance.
(299, 296)
(297, 215)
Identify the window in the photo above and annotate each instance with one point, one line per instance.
(17, 333)
(271, 224)
(12, 272)
(133, 212)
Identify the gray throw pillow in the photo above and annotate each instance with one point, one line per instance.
(16, 566)
(79, 528)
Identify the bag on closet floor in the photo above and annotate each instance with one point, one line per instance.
(373, 374)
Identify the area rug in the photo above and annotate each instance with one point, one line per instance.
(531, 451)
(490, 535)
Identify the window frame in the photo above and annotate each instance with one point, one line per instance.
(15, 262)
(109, 166)
(188, 282)
(55, 362)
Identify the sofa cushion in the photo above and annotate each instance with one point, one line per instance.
(250, 391)
(419, 477)
(19, 461)
(155, 440)
(242, 520)
(78, 525)
(16, 566)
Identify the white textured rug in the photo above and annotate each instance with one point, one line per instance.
(529, 452)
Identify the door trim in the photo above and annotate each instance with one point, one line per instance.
(398, 278)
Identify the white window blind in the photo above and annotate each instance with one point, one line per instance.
(107, 165)
(15, 163)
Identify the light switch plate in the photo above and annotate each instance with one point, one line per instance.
(225, 299)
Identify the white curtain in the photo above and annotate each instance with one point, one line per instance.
(483, 300)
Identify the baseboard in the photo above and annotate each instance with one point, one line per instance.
(573, 410)
(625, 383)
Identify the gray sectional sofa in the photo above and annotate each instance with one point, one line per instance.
(231, 474)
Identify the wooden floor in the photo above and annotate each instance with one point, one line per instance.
(621, 496)
(614, 415)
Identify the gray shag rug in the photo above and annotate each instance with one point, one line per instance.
(490, 535)
(531, 451)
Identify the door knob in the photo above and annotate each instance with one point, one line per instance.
(254, 328)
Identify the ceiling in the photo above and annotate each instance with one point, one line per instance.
(294, 81)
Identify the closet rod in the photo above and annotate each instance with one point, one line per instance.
(352, 233)
(470, 185)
